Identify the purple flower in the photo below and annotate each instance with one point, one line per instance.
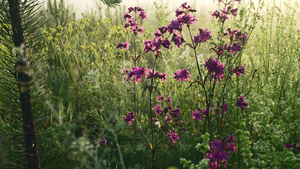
(123, 45)
(168, 99)
(197, 115)
(141, 30)
(129, 118)
(215, 14)
(184, 5)
(178, 12)
(175, 25)
(174, 113)
(187, 19)
(224, 108)
(182, 75)
(238, 70)
(218, 155)
(136, 72)
(158, 110)
(147, 45)
(203, 36)
(234, 11)
(288, 146)
(127, 16)
(154, 120)
(163, 29)
(130, 9)
(173, 136)
(215, 68)
(156, 75)
(166, 43)
(160, 98)
(240, 102)
(168, 119)
(102, 142)
(178, 40)
(154, 45)
(205, 111)
(143, 15)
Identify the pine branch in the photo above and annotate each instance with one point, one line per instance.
(23, 78)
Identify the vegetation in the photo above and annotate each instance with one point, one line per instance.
(83, 96)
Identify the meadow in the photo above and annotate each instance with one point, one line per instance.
(194, 89)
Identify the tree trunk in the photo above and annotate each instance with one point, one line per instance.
(23, 78)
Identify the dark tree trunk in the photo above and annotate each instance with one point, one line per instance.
(23, 78)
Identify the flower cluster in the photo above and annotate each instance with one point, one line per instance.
(223, 15)
(173, 136)
(138, 72)
(289, 146)
(130, 21)
(202, 36)
(218, 155)
(165, 111)
(241, 103)
(215, 68)
(238, 70)
(158, 41)
(123, 45)
(129, 118)
(236, 40)
(198, 113)
(182, 75)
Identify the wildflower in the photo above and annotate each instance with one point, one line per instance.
(174, 113)
(197, 115)
(166, 43)
(142, 14)
(218, 155)
(182, 75)
(238, 70)
(156, 75)
(177, 39)
(140, 30)
(158, 110)
(205, 111)
(179, 12)
(203, 36)
(160, 98)
(129, 118)
(224, 108)
(175, 25)
(123, 45)
(168, 119)
(168, 99)
(102, 142)
(130, 9)
(173, 136)
(184, 5)
(288, 146)
(127, 16)
(187, 19)
(215, 68)
(240, 102)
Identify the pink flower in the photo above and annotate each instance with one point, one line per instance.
(197, 115)
(182, 75)
(129, 118)
(173, 136)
